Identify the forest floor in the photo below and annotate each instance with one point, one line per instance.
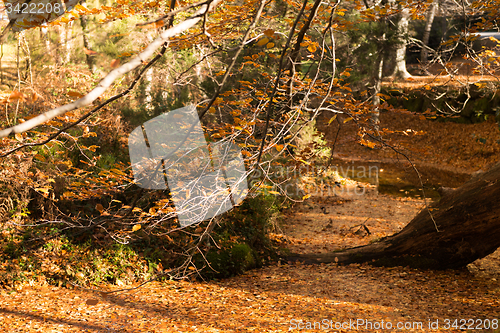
(276, 298)
(314, 298)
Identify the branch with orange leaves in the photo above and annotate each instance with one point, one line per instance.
(115, 74)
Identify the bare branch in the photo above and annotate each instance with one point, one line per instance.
(113, 75)
(277, 80)
(91, 112)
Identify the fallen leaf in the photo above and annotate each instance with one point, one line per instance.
(92, 302)
(89, 52)
(74, 94)
(115, 63)
(99, 207)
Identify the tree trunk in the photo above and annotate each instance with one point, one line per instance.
(468, 220)
(148, 79)
(69, 41)
(170, 21)
(86, 43)
(377, 88)
(401, 37)
(60, 54)
(44, 36)
(427, 31)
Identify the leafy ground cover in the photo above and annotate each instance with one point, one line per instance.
(277, 297)
(463, 148)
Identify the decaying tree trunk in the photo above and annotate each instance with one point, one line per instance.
(468, 220)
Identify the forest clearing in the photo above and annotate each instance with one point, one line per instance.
(276, 297)
(249, 166)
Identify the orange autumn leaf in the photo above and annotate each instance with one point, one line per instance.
(263, 41)
(99, 207)
(115, 63)
(16, 95)
(89, 52)
(269, 32)
(92, 302)
(34, 97)
(74, 94)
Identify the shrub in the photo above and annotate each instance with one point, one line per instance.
(241, 238)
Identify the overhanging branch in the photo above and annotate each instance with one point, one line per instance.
(113, 75)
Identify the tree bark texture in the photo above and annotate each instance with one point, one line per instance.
(424, 53)
(401, 41)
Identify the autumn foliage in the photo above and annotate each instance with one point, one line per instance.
(258, 73)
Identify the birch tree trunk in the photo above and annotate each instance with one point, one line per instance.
(44, 36)
(424, 53)
(60, 58)
(400, 71)
(69, 41)
(375, 118)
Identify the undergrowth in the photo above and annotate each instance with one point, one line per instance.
(239, 242)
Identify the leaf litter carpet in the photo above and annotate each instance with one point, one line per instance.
(284, 297)
(325, 298)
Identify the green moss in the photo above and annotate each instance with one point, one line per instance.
(475, 106)
(242, 254)
(242, 239)
(231, 260)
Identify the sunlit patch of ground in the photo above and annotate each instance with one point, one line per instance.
(428, 81)
(323, 224)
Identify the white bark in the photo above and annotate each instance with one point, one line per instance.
(69, 40)
(427, 30)
(148, 78)
(375, 118)
(148, 81)
(61, 31)
(112, 76)
(402, 32)
(47, 40)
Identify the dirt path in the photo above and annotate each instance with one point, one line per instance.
(325, 224)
